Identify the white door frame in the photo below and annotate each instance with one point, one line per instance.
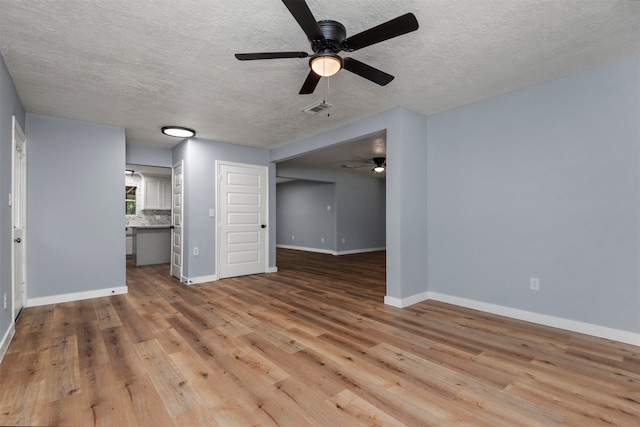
(18, 133)
(218, 245)
(179, 275)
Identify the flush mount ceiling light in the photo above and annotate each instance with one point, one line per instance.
(178, 131)
(326, 64)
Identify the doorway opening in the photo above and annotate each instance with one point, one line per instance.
(331, 200)
(18, 203)
(148, 202)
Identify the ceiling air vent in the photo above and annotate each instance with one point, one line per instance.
(317, 107)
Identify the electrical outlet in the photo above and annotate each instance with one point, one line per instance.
(196, 251)
(344, 240)
(534, 284)
(322, 240)
(293, 237)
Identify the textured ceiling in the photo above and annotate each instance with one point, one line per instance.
(356, 156)
(147, 63)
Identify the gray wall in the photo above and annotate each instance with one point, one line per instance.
(542, 182)
(406, 199)
(358, 209)
(137, 154)
(75, 218)
(199, 157)
(301, 212)
(10, 106)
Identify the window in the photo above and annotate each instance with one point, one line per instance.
(130, 200)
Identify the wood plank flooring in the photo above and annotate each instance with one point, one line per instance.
(311, 345)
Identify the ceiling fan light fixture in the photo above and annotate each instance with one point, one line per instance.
(380, 164)
(178, 131)
(325, 64)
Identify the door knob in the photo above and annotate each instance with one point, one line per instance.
(263, 226)
(17, 240)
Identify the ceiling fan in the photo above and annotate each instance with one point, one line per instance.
(328, 38)
(379, 165)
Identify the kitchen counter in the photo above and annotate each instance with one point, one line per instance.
(151, 244)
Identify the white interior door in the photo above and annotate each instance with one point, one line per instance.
(18, 214)
(242, 219)
(176, 221)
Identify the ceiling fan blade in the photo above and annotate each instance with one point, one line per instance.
(348, 166)
(396, 27)
(303, 15)
(367, 71)
(270, 55)
(310, 84)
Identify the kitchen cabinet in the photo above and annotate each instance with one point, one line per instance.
(151, 245)
(129, 235)
(156, 192)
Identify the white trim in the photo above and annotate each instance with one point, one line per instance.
(16, 131)
(406, 302)
(182, 192)
(272, 270)
(393, 301)
(6, 340)
(302, 248)
(528, 316)
(202, 279)
(76, 296)
(329, 251)
(359, 251)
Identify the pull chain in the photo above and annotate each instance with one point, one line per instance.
(326, 94)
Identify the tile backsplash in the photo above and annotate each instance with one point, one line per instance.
(146, 217)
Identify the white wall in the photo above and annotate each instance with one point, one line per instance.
(10, 105)
(138, 154)
(357, 210)
(199, 178)
(545, 183)
(75, 214)
(406, 222)
(302, 218)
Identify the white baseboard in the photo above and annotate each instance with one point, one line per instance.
(330, 252)
(302, 248)
(213, 277)
(6, 340)
(360, 251)
(528, 316)
(406, 302)
(76, 296)
(201, 279)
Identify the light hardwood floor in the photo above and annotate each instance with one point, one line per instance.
(311, 345)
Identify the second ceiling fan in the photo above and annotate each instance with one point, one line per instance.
(328, 38)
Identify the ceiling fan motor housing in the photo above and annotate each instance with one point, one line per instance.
(379, 161)
(334, 33)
